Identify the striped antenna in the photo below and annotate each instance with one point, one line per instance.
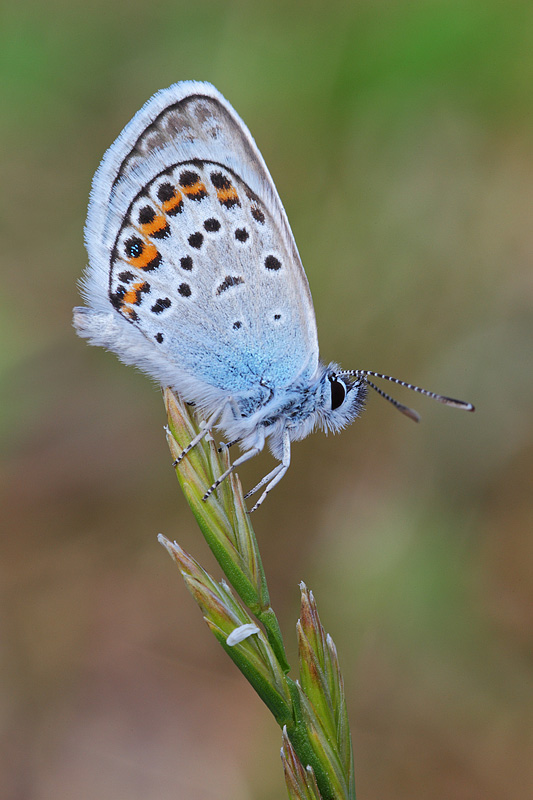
(366, 373)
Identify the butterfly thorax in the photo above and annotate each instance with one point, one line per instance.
(324, 401)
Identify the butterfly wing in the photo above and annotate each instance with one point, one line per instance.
(194, 275)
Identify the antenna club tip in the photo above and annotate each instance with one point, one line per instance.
(464, 406)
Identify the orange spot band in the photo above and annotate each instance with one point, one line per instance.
(227, 194)
(196, 188)
(131, 295)
(146, 257)
(157, 224)
(170, 205)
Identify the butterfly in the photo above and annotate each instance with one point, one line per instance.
(194, 277)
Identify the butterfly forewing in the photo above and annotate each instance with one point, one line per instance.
(201, 257)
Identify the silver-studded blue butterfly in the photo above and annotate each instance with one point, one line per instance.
(195, 278)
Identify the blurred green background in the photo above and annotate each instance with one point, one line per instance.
(400, 137)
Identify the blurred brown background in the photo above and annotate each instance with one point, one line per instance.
(400, 136)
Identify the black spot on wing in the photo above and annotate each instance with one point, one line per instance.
(220, 181)
(133, 247)
(161, 304)
(188, 178)
(258, 215)
(166, 192)
(212, 225)
(272, 263)
(228, 282)
(146, 215)
(196, 240)
(117, 296)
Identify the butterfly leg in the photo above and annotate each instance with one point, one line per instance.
(206, 428)
(277, 473)
(228, 444)
(253, 451)
(271, 475)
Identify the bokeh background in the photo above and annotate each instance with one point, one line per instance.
(400, 136)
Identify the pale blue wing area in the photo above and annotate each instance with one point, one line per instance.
(189, 243)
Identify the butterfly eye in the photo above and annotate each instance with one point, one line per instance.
(338, 393)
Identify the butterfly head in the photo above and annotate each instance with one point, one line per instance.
(341, 399)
